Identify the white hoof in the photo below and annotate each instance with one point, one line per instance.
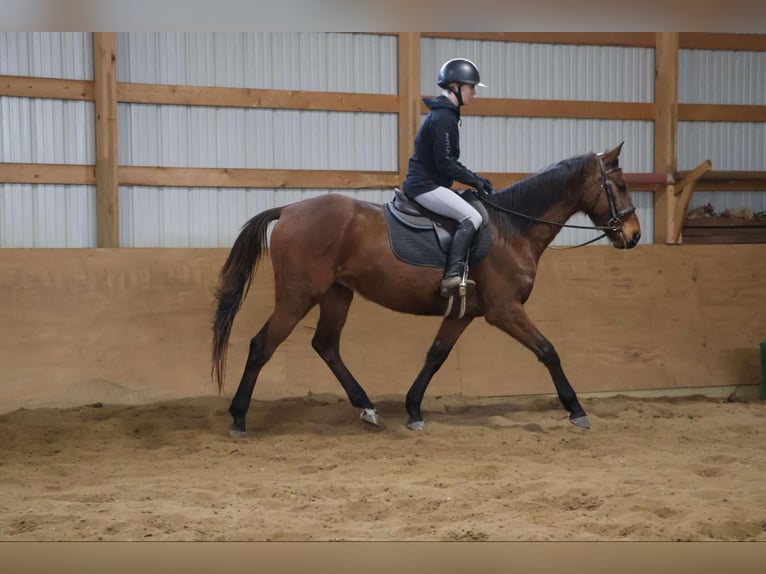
(417, 425)
(370, 416)
(582, 422)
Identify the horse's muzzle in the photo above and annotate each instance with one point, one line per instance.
(629, 234)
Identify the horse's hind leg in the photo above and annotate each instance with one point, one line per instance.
(262, 347)
(333, 310)
(449, 332)
(517, 324)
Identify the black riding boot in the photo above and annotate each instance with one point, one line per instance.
(456, 259)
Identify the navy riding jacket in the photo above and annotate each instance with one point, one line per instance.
(435, 162)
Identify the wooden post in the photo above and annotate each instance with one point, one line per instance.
(665, 131)
(107, 188)
(409, 97)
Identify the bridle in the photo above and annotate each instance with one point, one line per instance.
(616, 219)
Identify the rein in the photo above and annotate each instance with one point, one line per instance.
(614, 224)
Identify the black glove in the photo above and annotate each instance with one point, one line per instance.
(484, 186)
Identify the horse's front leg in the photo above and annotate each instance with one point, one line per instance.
(449, 332)
(513, 319)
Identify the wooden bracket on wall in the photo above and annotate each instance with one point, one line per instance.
(682, 194)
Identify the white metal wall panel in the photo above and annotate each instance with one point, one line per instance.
(64, 55)
(728, 145)
(47, 131)
(316, 61)
(205, 217)
(47, 215)
(179, 136)
(546, 71)
(721, 77)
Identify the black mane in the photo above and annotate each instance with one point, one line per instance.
(533, 195)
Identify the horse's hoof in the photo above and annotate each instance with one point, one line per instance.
(236, 433)
(370, 416)
(581, 422)
(416, 425)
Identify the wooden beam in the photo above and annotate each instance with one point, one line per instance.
(250, 178)
(630, 39)
(107, 189)
(665, 129)
(42, 173)
(559, 109)
(684, 189)
(721, 113)
(712, 41)
(409, 97)
(255, 178)
(256, 98)
(24, 87)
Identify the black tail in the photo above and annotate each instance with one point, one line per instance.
(234, 283)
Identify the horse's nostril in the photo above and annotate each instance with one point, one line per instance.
(636, 237)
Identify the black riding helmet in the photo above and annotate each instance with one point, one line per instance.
(461, 71)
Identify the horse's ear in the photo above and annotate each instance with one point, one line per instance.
(611, 156)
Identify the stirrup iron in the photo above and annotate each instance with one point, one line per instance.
(461, 291)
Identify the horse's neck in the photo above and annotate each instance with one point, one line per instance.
(542, 235)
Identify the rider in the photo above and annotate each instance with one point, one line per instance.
(434, 164)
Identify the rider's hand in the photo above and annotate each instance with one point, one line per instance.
(483, 186)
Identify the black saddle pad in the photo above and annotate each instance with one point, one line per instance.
(420, 246)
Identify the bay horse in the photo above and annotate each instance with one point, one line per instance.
(325, 248)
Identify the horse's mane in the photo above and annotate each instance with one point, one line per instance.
(533, 195)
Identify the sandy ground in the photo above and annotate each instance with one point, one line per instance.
(484, 469)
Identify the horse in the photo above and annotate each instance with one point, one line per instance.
(326, 248)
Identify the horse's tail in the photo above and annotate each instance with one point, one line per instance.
(234, 283)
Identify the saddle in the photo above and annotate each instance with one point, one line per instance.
(421, 237)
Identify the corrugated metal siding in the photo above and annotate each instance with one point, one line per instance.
(182, 136)
(47, 215)
(65, 55)
(723, 77)
(246, 138)
(358, 63)
(546, 71)
(47, 131)
(205, 217)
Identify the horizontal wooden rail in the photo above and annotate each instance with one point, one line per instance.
(256, 98)
(686, 40)
(721, 113)
(630, 39)
(48, 173)
(261, 178)
(20, 86)
(25, 87)
(718, 41)
(559, 109)
(41, 173)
